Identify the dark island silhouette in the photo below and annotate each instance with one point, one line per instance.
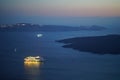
(21, 27)
(108, 44)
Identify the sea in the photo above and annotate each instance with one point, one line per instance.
(59, 63)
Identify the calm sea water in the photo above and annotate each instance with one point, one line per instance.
(60, 63)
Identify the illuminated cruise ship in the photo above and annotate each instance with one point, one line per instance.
(32, 59)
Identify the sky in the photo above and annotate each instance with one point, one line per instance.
(59, 11)
(61, 7)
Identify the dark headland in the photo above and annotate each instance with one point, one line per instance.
(108, 44)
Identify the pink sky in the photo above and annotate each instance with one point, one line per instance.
(62, 7)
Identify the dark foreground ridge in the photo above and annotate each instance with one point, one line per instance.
(109, 44)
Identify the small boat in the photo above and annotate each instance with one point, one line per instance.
(31, 59)
(15, 50)
(39, 35)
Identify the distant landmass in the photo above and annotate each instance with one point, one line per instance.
(35, 27)
(108, 44)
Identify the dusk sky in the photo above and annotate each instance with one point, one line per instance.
(62, 12)
(61, 7)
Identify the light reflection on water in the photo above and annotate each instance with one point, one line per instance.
(32, 70)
